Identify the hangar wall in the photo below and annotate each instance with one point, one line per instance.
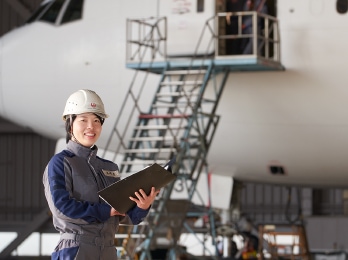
(23, 157)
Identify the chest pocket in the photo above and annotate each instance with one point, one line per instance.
(84, 183)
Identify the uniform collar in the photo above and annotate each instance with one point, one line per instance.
(81, 150)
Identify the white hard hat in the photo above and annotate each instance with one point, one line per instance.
(84, 101)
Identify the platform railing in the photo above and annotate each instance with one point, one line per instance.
(264, 35)
(146, 34)
(150, 36)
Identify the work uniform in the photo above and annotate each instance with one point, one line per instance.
(247, 43)
(72, 179)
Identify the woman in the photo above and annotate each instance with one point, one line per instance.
(72, 179)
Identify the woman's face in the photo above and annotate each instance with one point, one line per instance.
(86, 129)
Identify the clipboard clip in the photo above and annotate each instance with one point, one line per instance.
(169, 164)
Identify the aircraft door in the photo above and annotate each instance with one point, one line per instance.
(185, 21)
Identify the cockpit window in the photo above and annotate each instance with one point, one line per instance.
(342, 6)
(64, 10)
(38, 12)
(73, 11)
(52, 12)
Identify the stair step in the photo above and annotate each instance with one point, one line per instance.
(151, 150)
(159, 127)
(152, 138)
(177, 94)
(144, 162)
(185, 72)
(170, 105)
(164, 116)
(132, 235)
(182, 83)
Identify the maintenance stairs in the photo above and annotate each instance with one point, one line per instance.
(180, 121)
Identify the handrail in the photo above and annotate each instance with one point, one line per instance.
(151, 33)
(149, 37)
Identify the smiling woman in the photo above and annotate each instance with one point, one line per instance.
(86, 129)
(72, 179)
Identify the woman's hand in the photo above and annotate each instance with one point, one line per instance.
(114, 212)
(144, 201)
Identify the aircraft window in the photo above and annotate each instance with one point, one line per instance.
(38, 12)
(342, 6)
(73, 11)
(200, 6)
(276, 169)
(52, 12)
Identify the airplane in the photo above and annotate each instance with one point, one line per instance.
(283, 127)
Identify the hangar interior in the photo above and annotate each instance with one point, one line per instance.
(24, 155)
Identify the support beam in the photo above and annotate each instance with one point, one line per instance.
(32, 226)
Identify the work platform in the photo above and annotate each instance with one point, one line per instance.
(148, 48)
(234, 63)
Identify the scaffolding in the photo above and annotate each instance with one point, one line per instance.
(180, 121)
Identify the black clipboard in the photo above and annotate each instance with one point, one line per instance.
(117, 194)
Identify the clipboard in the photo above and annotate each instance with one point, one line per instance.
(117, 194)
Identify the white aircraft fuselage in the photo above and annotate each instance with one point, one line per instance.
(296, 119)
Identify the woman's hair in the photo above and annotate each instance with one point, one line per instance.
(68, 125)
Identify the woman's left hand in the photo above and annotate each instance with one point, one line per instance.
(144, 201)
